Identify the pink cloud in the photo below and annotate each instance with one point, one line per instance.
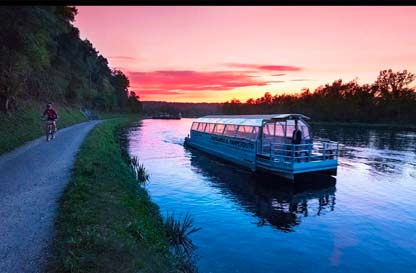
(189, 80)
(279, 68)
(179, 36)
(265, 67)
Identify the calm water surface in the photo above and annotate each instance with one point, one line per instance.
(366, 222)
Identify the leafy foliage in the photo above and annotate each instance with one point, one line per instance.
(134, 103)
(43, 57)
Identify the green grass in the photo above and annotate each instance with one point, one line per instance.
(26, 124)
(106, 222)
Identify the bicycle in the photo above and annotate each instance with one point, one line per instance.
(50, 129)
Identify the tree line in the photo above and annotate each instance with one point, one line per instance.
(186, 109)
(42, 57)
(389, 99)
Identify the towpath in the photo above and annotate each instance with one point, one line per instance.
(32, 179)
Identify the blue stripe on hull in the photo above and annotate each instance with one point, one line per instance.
(224, 153)
(304, 167)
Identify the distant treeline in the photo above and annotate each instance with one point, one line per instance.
(42, 57)
(389, 99)
(187, 109)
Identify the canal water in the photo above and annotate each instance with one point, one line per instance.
(362, 221)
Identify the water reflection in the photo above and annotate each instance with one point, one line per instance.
(382, 151)
(256, 223)
(271, 199)
(392, 139)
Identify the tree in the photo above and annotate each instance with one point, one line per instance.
(43, 57)
(393, 94)
(120, 83)
(393, 85)
(134, 103)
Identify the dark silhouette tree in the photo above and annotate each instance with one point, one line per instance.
(389, 99)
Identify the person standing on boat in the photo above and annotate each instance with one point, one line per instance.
(297, 134)
(297, 139)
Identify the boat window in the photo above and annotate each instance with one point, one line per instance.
(230, 130)
(209, 128)
(246, 132)
(304, 128)
(268, 129)
(201, 127)
(195, 125)
(255, 133)
(290, 127)
(301, 125)
(219, 128)
(280, 129)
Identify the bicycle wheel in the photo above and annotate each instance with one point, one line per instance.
(48, 132)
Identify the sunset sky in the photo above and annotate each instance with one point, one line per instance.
(214, 54)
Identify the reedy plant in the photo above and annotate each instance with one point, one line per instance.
(178, 233)
(139, 170)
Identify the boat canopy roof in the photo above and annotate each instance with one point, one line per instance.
(250, 120)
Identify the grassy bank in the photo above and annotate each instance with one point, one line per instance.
(107, 223)
(26, 124)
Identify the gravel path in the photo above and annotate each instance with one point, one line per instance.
(32, 179)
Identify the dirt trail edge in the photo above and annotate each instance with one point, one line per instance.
(32, 179)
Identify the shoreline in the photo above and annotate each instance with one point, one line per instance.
(104, 214)
(406, 127)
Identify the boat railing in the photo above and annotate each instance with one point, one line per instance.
(295, 153)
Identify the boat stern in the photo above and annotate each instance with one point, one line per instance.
(290, 160)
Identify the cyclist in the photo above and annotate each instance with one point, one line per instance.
(51, 117)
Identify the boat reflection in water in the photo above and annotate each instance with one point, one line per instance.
(281, 205)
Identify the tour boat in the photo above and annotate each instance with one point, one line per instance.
(280, 144)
